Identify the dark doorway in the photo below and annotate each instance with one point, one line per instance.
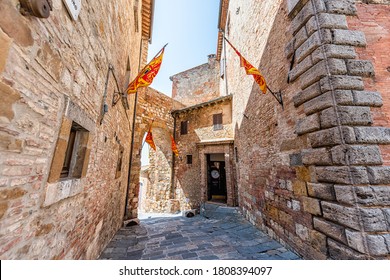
(216, 178)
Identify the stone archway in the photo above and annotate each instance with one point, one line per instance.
(153, 105)
(158, 191)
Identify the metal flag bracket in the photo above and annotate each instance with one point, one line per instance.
(118, 95)
(278, 96)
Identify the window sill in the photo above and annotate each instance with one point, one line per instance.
(60, 190)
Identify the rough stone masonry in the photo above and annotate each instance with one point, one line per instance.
(315, 174)
(54, 81)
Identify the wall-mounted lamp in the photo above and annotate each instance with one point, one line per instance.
(37, 8)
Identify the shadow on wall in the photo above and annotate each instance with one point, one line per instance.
(266, 138)
(158, 191)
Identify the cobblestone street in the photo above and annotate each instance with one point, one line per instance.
(220, 233)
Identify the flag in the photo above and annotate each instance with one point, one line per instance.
(146, 76)
(174, 147)
(251, 70)
(149, 139)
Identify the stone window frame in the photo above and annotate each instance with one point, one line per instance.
(217, 121)
(59, 188)
(184, 127)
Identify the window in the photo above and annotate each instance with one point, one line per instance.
(217, 121)
(75, 152)
(189, 159)
(136, 16)
(184, 127)
(68, 154)
(236, 153)
(119, 162)
(222, 68)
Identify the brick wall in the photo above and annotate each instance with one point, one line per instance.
(52, 70)
(373, 21)
(197, 85)
(308, 174)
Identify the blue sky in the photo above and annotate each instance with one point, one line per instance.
(190, 29)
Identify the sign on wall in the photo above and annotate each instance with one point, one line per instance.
(74, 7)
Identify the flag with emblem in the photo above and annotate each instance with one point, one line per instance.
(149, 139)
(148, 73)
(251, 70)
(174, 147)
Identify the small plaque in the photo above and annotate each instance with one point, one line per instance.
(74, 7)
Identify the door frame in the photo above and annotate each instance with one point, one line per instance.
(225, 147)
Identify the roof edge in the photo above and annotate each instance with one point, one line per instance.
(223, 11)
(204, 104)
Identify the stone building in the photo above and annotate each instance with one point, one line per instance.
(64, 129)
(314, 173)
(204, 168)
(202, 121)
(197, 85)
(204, 136)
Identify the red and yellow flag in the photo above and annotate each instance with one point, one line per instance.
(149, 139)
(251, 70)
(174, 147)
(146, 76)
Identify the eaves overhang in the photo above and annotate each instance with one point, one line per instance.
(202, 105)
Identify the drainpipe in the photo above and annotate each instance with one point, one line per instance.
(132, 137)
(172, 194)
(225, 66)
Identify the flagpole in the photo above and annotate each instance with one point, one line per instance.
(133, 126)
(172, 191)
(132, 138)
(277, 96)
(225, 62)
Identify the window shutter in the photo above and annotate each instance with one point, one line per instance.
(217, 121)
(184, 127)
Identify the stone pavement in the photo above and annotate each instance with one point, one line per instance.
(220, 233)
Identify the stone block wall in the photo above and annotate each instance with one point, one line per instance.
(312, 174)
(53, 72)
(344, 157)
(197, 85)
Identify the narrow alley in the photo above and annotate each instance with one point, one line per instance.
(220, 233)
(269, 118)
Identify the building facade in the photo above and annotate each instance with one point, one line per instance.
(314, 173)
(204, 135)
(64, 129)
(204, 168)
